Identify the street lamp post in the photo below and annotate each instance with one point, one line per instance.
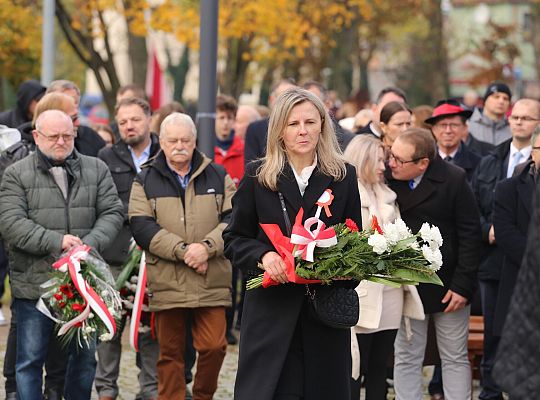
(206, 112)
(47, 51)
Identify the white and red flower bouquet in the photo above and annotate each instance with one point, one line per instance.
(390, 254)
(131, 283)
(80, 297)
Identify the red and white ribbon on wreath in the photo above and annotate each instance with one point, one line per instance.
(137, 305)
(308, 238)
(71, 263)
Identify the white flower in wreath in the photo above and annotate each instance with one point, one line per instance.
(431, 235)
(105, 337)
(434, 257)
(378, 242)
(391, 233)
(403, 230)
(415, 246)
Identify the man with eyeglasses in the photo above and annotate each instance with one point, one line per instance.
(490, 124)
(431, 190)
(50, 201)
(449, 126)
(493, 168)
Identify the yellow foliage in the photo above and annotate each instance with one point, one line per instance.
(20, 41)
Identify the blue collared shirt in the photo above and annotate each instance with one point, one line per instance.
(138, 161)
(183, 180)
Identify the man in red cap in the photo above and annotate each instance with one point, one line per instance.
(449, 126)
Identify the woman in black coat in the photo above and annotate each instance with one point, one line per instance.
(285, 353)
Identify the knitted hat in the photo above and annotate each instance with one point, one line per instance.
(495, 87)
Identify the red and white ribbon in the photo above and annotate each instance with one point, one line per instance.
(308, 238)
(71, 263)
(137, 305)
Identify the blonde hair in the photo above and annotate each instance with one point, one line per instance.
(363, 153)
(330, 159)
(53, 101)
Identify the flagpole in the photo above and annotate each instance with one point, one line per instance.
(206, 113)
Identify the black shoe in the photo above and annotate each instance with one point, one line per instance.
(231, 339)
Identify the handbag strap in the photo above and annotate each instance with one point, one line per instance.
(285, 215)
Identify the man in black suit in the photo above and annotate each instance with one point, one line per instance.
(449, 126)
(385, 96)
(493, 168)
(255, 142)
(512, 211)
(431, 190)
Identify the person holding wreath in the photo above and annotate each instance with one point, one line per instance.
(285, 351)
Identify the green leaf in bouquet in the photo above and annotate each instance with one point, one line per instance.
(418, 276)
(404, 243)
(381, 265)
(384, 281)
(129, 266)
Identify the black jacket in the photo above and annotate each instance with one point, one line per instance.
(366, 130)
(271, 315)
(118, 159)
(490, 171)
(512, 211)
(466, 160)
(28, 91)
(478, 147)
(88, 141)
(517, 366)
(444, 198)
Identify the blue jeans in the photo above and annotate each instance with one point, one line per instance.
(33, 333)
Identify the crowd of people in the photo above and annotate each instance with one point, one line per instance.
(469, 169)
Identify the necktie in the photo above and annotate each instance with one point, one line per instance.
(448, 158)
(412, 184)
(512, 164)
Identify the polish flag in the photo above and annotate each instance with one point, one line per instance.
(157, 89)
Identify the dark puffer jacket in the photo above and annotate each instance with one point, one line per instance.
(28, 91)
(34, 216)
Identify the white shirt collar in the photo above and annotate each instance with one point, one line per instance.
(303, 179)
(452, 154)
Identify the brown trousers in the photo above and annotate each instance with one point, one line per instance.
(208, 329)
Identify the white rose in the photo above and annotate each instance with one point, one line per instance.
(378, 242)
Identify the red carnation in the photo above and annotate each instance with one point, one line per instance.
(58, 296)
(375, 225)
(61, 304)
(351, 225)
(66, 289)
(78, 307)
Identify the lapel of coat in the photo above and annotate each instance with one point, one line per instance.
(408, 198)
(289, 188)
(318, 183)
(525, 191)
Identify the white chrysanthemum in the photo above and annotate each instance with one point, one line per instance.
(105, 337)
(378, 242)
(403, 230)
(415, 246)
(88, 329)
(434, 257)
(134, 279)
(91, 315)
(391, 233)
(431, 235)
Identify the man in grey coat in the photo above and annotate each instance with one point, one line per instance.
(50, 201)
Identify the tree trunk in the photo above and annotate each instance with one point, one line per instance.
(233, 80)
(138, 57)
(436, 46)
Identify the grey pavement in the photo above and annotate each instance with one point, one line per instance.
(128, 374)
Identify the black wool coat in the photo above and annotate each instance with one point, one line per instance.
(517, 366)
(445, 199)
(270, 316)
(512, 211)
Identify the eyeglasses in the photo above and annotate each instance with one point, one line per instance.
(516, 118)
(400, 162)
(444, 127)
(54, 138)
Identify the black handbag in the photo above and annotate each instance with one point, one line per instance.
(335, 306)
